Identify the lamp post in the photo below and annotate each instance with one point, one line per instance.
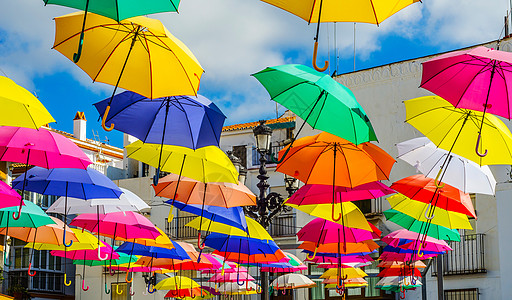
(268, 205)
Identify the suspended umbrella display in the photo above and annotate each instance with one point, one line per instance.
(119, 54)
(232, 288)
(349, 215)
(233, 216)
(373, 12)
(292, 281)
(460, 172)
(399, 264)
(319, 100)
(185, 285)
(25, 110)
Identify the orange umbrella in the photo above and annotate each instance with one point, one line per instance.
(48, 234)
(253, 258)
(343, 248)
(176, 264)
(191, 191)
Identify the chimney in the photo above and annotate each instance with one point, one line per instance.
(80, 126)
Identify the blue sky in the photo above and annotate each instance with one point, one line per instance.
(232, 39)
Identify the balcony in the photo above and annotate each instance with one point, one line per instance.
(283, 226)
(371, 207)
(466, 294)
(467, 257)
(176, 229)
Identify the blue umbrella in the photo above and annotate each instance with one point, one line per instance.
(187, 121)
(155, 252)
(233, 216)
(239, 244)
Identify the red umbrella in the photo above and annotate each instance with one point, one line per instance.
(404, 271)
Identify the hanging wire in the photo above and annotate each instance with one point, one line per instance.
(354, 46)
(328, 50)
(501, 35)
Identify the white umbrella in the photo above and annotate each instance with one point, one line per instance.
(398, 281)
(232, 288)
(292, 281)
(459, 172)
(127, 198)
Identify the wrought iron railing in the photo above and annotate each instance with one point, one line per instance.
(176, 229)
(463, 294)
(283, 225)
(467, 256)
(42, 281)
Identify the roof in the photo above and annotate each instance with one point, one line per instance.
(279, 123)
(80, 115)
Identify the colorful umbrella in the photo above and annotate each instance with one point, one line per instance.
(292, 281)
(455, 129)
(233, 216)
(319, 100)
(175, 252)
(9, 196)
(24, 109)
(460, 172)
(343, 248)
(394, 238)
(231, 277)
(232, 288)
(138, 54)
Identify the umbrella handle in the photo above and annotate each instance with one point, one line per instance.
(29, 269)
(111, 271)
(413, 280)
(420, 254)
(104, 119)
(156, 177)
(314, 255)
(271, 290)
(19, 213)
(118, 291)
(238, 279)
(85, 289)
(332, 214)
(426, 212)
(438, 183)
(478, 144)
(66, 283)
(199, 245)
(402, 294)
(151, 291)
(102, 258)
(131, 290)
(64, 240)
(247, 285)
(6, 259)
(126, 277)
(76, 56)
(283, 292)
(315, 50)
(107, 291)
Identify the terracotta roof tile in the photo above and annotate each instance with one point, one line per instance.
(251, 125)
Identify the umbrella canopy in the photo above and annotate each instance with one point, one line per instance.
(324, 232)
(8, 195)
(320, 193)
(236, 244)
(400, 264)
(393, 239)
(191, 191)
(399, 281)
(175, 252)
(390, 256)
(31, 216)
(419, 210)
(460, 172)
(233, 216)
(254, 229)
(25, 110)
(292, 281)
(231, 277)
(404, 271)
(352, 217)
(40, 147)
(127, 199)
(254, 258)
(49, 234)
(342, 272)
(343, 248)
(187, 121)
(206, 164)
(120, 9)
(411, 224)
(105, 250)
(172, 282)
(456, 129)
(85, 241)
(330, 160)
(156, 64)
(319, 100)
(423, 189)
(232, 288)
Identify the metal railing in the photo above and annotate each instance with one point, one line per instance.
(256, 156)
(467, 256)
(176, 229)
(283, 225)
(463, 294)
(42, 281)
(370, 207)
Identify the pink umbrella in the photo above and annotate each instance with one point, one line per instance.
(414, 245)
(9, 197)
(322, 231)
(390, 256)
(231, 277)
(393, 239)
(344, 259)
(87, 254)
(318, 193)
(477, 79)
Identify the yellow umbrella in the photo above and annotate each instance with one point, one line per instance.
(85, 241)
(419, 211)
(352, 216)
(456, 129)
(20, 108)
(314, 11)
(348, 272)
(206, 164)
(177, 281)
(254, 229)
(138, 54)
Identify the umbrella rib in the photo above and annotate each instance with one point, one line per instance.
(104, 26)
(211, 126)
(450, 108)
(154, 118)
(500, 72)
(444, 69)
(30, 115)
(194, 146)
(314, 163)
(469, 83)
(150, 63)
(124, 39)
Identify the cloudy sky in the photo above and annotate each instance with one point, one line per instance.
(233, 39)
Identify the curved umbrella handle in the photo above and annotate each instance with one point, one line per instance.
(64, 240)
(29, 269)
(413, 280)
(76, 56)
(118, 291)
(6, 260)
(314, 255)
(102, 258)
(156, 177)
(66, 283)
(344, 278)
(420, 254)
(402, 294)
(111, 271)
(436, 180)
(151, 291)
(107, 291)
(332, 214)
(85, 289)
(131, 291)
(19, 213)
(126, 277)
(478, 144)
(426, 212)
(104, 119)
(199, 245)
(247, 286)
(238, 279)
(315, 50)
(271, 290)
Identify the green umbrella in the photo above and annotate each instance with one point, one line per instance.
(117, 10)
(319, 100)
(411, 224)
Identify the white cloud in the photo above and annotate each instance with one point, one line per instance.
(233, 38)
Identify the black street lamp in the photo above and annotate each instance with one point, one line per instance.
(268, 205)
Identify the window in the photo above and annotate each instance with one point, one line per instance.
(317, 292)
(241, 152)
